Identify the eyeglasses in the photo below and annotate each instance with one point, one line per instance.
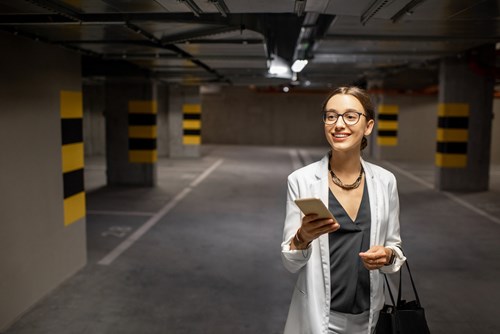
(349, 117)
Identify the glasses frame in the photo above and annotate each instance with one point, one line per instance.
(342, 115)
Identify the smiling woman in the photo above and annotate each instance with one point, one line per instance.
(359, 242)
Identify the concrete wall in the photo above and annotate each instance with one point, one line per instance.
(417, 123)
(495, 133)
(240, 116)
(94, 125)
(37, 252)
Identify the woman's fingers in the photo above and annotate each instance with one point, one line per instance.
(315, 227)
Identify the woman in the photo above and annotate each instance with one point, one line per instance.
(340, 286)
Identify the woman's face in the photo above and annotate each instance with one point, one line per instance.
(341, 136)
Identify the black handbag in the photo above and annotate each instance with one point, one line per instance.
(405, 317)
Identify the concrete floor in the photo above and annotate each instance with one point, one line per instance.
(200, 253)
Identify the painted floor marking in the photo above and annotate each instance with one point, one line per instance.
(115, 253)
(451, 196)
(120, 213)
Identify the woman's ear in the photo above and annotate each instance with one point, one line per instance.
(369, 127)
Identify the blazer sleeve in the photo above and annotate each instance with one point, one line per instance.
(393, 237)
(293, 260)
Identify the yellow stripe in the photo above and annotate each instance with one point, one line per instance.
(452, 135)
(142, 107)
(72, 157)
(388, 109)
(191, 125)
(71, 104)
(143, 131)
(191, 140)
(191, 108)
(451, 160)
(388, 125)
(387, 141)
(453, 110)
(143, 156)
(74, 208)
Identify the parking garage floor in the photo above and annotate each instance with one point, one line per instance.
(200, 253)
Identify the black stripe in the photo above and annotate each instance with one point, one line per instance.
(453, 122)
(387, 133)
(454, 148)
(73, 182)
(141, 144)
(141, 119)
(387, 117)
(71, 130)
(190, 132)
(192, 116)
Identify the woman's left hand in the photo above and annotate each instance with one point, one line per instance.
(376, 257)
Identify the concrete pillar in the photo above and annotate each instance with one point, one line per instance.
(130, 111)
(184, 121)
(385, 135)
(464, 121)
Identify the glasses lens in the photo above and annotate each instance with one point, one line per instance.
(351, 117)
(330, 117)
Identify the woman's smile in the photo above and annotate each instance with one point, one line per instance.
(340, 136)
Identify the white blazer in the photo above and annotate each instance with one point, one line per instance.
(310, 307)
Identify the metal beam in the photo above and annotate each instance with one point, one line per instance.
(411, 38)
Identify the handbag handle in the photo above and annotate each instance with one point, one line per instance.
(412, 284)
(399, 289)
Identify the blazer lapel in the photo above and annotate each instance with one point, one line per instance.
(372, 190)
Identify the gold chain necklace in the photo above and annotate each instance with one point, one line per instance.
(341, 184)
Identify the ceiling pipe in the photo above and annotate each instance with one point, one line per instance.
(406, 10)
(372, 10)
(56, 8)
(300, 6)
(192, 7)
(221, 7)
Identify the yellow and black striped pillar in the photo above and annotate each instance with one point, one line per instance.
(71, 110)
(142, 131)
(387, 134)
(452, 135)
(191, 124)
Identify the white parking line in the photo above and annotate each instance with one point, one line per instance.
(451, 196)
(120, 213)
(115, 253)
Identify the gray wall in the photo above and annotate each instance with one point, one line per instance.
(236, 115)
(37, 252)
(94, 125)
(417, 126)
(495, 133)
(239, 115)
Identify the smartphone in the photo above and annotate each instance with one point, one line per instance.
(313, 205)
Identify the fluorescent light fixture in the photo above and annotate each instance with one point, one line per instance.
(299, 65)
(279, 68)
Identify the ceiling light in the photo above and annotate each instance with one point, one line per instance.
(279, 68)
(221, 7)
(299, 65)
(192, 6)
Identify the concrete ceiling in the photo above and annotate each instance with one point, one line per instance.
(233, 41)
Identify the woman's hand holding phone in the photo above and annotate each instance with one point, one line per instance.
(318, 220)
